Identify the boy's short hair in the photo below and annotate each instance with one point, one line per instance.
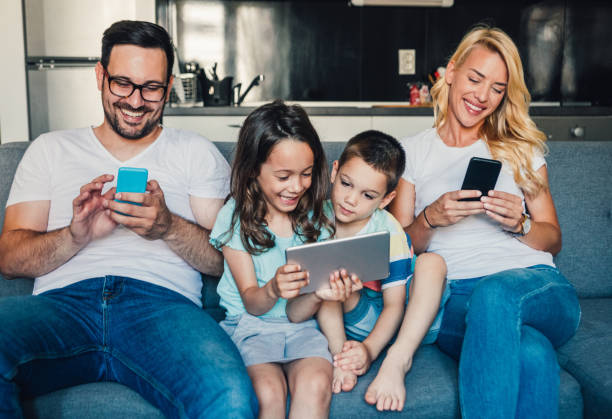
(379, 150)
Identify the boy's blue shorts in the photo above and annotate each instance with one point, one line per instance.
(359, 322)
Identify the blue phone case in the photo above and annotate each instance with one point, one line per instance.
(131, 179)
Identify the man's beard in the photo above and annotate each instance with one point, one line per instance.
(113, 120)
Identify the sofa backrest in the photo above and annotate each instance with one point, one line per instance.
(10, 155)
(580, 173)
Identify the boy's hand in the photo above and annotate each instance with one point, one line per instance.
(288, 281)
(342, 286)
(354, 357)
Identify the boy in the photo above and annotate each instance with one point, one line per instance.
(363, 184)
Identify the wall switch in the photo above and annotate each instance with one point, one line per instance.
(406, 61)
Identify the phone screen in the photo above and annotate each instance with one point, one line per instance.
(482, 175)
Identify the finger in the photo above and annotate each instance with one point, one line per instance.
(131, 197)
(78, 201)
(506, 196)
(464, 193)
(110, 194)
(91, 187)
(153, 187)
(346, 283)
(502, 220)
(501, 210)
(335, 287)
(289, 268)
(103, 178)
(123, 207)
(356, 283)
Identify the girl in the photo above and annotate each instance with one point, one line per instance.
(278, 184)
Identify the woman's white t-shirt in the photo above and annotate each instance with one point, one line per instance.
(477, 245)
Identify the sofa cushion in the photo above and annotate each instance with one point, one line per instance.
(91, 401)
(431, 391)
(588, 356)
(580, 175)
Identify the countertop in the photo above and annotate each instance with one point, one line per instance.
(376, 109)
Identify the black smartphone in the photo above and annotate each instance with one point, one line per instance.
(482, 175)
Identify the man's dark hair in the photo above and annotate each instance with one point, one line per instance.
(142, 34)
(380, 151)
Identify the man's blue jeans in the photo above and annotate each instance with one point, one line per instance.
(146, 337)
(503, 328)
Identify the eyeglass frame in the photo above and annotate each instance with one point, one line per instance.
(135, 86)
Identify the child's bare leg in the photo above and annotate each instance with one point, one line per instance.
(310, 386)
(387, 390)
(331, 324)
(271, 389)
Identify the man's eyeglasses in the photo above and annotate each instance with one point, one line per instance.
(122, 87)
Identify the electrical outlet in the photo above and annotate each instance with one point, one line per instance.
(406, 60)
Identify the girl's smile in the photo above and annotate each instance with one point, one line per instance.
(286, 175)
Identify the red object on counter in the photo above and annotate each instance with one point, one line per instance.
(415, 95)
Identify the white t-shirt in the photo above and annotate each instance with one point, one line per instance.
(57, 164)
(477, 245)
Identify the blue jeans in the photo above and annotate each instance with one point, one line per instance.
(503, 329)
(146, 337)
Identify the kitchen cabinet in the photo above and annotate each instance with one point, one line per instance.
(330, 128)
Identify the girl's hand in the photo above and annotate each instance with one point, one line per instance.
(288, 281)
(342, 285)
(448, 209)
(505, 208)
(354, 357)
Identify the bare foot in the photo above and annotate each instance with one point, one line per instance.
(387, 391)
(343, 380)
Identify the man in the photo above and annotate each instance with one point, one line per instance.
(117, 290)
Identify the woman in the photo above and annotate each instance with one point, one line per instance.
(509, 305)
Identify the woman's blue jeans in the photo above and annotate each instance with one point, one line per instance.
(503, 329)
(146, 337)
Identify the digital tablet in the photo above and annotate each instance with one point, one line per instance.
(366, 255)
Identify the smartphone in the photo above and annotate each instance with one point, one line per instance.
(482, 175)
(131, 179)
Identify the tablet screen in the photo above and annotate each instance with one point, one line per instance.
(365, 255)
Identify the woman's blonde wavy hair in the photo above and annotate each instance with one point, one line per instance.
(509, 132)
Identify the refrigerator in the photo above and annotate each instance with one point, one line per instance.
(63, 42)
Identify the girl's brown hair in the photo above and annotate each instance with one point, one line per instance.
(265, 127)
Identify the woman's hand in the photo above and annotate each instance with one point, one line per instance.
(448, 209)
(288, 281)
(505, 208)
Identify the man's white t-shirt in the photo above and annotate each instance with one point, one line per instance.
(58, 164)
(477, 245)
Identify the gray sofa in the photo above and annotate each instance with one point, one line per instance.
(580, 175)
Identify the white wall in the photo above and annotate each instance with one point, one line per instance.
(13, 95)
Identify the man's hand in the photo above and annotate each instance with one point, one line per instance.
(152, 220)
(89, 220)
